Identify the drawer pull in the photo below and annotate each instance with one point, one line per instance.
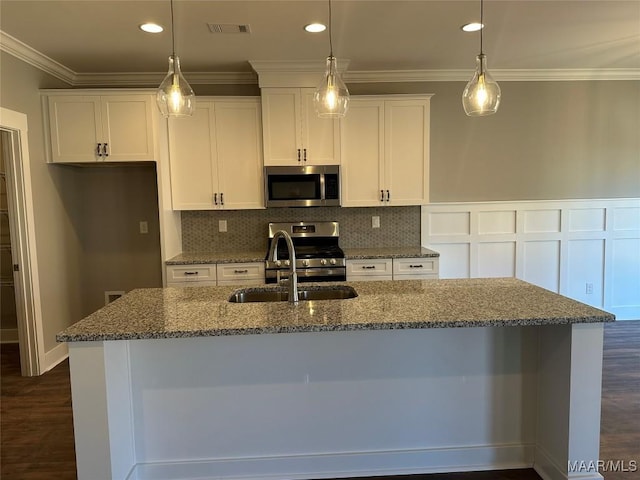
(415, 266)
(239, 272)
(368, 267)
(191, 273)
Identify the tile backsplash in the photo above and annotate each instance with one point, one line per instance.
(247, 229)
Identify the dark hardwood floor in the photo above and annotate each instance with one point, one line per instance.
(36, 426)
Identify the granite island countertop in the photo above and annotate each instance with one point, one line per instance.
(406, 304)
(193, 258)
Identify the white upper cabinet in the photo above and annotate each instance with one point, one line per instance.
(293, 134)
(216, 156)
(385, 151)
(101, 128)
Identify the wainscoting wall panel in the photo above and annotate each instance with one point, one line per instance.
(588, 250)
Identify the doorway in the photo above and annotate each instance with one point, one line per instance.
(18, 244)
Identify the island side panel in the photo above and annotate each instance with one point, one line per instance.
(101, 395)
(335, 403)
(569, 401)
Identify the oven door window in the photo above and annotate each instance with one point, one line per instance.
(294, 187)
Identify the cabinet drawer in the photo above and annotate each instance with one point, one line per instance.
(240, 273)
(427, 266)
(191, 273)
(375, 267)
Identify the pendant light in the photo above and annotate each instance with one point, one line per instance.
(331, 98)
(175, 97)
(481, 96)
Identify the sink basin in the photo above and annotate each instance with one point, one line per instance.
(277, 294)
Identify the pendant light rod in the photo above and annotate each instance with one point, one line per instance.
(173, 36)
(481, 24)
(330, 34)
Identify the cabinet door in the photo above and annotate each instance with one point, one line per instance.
(362, 138)
(75, 125)
(240, 273)
(281, 126)
(192, 159)
(320, 136)
(239, 153)
(370, 269)
(127, 126)
(406, 173)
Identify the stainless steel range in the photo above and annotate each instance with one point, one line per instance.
(318, 256)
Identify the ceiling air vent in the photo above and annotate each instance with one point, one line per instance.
(229, 28)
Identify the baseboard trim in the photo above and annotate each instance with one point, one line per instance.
(549, 469)
(343, 465)
(9, 335)
(56, 355)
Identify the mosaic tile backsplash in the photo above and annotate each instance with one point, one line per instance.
(247, 229)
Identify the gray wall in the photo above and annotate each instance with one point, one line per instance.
(115, 255)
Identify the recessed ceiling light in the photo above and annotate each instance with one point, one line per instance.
(151, 28)
(315, 27)
(472, 27)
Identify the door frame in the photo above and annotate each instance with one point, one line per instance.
(23, 244)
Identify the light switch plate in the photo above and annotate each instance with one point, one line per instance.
(222, 225)
(375, 221)
(144, 227)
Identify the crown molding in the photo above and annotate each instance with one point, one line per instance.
(31, 56)
(273, 73)
(154, 78)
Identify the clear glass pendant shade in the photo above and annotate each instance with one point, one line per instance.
(481, 96)
(331, 98)
(175, 97)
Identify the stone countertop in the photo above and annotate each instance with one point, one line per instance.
(192, 258)
(406, 304)
(389, 252)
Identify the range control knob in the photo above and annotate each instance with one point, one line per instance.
(323, 261)
(305, 263)
(278, 263)
(286, 262)
(332, 261)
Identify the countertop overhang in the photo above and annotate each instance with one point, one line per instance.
(155, 313)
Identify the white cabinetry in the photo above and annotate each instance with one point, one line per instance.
(210, 274)
(240, 273)
(191, 275)
(101, 128)
(415, 268)
(421, 268)
(216, 156)
(385, 151)
(369, 269)
(293, 134)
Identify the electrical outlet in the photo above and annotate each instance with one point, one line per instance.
(144, 227)
(375, 221)
(588, 288)
(222, 225)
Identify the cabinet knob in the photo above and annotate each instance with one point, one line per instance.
(304, 156)
(191, 273)
(105, 149)
(382, 195)
(388, 196)
(240, 272)
(368, 267)
(221, 198)
(215, 198)
(415, 266)
(298, 154)
(99, 150)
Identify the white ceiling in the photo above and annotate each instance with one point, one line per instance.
(91, 37)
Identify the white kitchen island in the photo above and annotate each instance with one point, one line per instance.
(409, 377)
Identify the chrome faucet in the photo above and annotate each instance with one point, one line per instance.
(273, 255)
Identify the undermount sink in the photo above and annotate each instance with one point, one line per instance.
(277, 294)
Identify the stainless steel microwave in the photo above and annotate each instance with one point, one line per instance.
(302, 186)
